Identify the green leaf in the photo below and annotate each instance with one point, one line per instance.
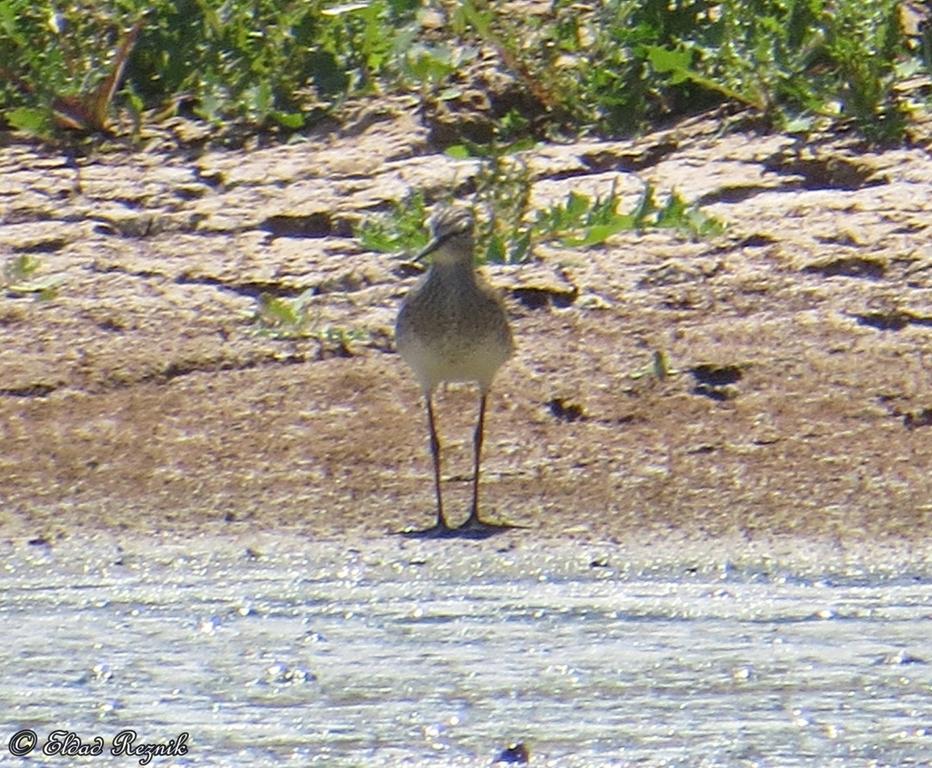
(496, 250)
(8, 23)
(479, 20)
(702, 225)
(644, 208)
(520, 145)
(598, 234)
(664, 60)
(799, 124)
(429, 64)
(20, 268)
(277, 311)
(401, 230)
(576, 205)
(259, 101)
(672, 214)
(44, 287)
(292, 120)
(33, 121)
(458, 152)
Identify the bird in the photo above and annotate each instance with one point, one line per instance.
(452, 327)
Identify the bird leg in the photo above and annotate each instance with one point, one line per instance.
(474, 523)
(441, 524)
(477, 454)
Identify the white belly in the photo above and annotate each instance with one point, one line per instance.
(442, 360)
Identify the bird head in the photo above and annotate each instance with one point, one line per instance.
(452, 236)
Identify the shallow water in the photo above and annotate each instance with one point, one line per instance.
(290, 653)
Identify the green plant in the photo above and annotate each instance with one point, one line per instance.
(508, 228)
(341, 336)
(20, 278)
(63, 86)
(19, 269)
(609, 68)
(864, 41)
(581, 221)
(625, 63)
(502, 199)
(268, 62)
(788, 58)
(686, 218)
(431, 65)
(282, 317)
(578, 212)
(509, 38)
(402, 229)
(264, 62)
(291, 318)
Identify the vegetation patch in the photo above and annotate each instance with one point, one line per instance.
(609, 68)
(20, 278)
(293, 318)
(509, 228)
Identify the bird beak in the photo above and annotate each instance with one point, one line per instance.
(427, 249)
(432, 246)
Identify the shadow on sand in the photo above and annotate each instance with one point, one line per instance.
(469, 531)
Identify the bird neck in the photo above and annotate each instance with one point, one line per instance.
(458, 269)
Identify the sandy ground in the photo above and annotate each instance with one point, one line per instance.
(141, 397)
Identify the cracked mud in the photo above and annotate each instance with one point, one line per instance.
(797, 398)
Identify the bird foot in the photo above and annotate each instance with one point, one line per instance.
(473, 528)
(439, 530)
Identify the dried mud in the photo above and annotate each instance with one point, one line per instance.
(141, 397)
